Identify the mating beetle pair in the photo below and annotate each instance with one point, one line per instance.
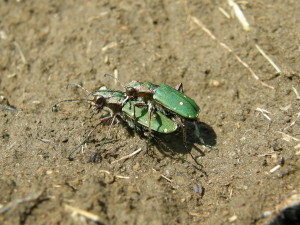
(158, 108)
(168, 100)
(114, 101)
(159, 100)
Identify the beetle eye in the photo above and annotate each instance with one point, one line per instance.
(130, 91)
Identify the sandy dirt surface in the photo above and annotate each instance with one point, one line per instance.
(44, 45)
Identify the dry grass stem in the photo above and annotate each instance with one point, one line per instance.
(88, 49)
(266, 154)
(264, 112)
(45, 140)
(116, 75)
(109, 46)
(21, 52)
(3, 35)
(294, 122)
(287, 137)
(104, 171)
(275, 169)
(224, 12)
(100, 16)
(84, 213)
(122, 177)
(212, 36)
(232, 218)
(268, 58)
(239, 14)
(296, 92)
(127, 156)
(117, 176)
(163, 176)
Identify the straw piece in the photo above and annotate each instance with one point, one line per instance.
(239, 14)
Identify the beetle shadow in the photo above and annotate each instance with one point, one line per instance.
(174, 145)
(201, 134)
(197, 134)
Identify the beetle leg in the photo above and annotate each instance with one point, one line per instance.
(164, 145)
(184, 134)
(134, 118)
(179, 87)
(113, 120)
(149, 123)
(123, 102)
(184, 137)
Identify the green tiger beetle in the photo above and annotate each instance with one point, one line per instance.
(135, 117)
(166, 98)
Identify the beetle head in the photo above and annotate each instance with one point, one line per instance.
(130, 91)
(133, 88)
(99, 102)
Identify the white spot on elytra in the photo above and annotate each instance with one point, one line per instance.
(180, 103)
(165, 130)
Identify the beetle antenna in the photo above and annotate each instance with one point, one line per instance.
(110, 75)
(69, 100)
(77, 85)
(93, 92)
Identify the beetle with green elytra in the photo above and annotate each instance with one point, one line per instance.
(172, 102)
(169, 100)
